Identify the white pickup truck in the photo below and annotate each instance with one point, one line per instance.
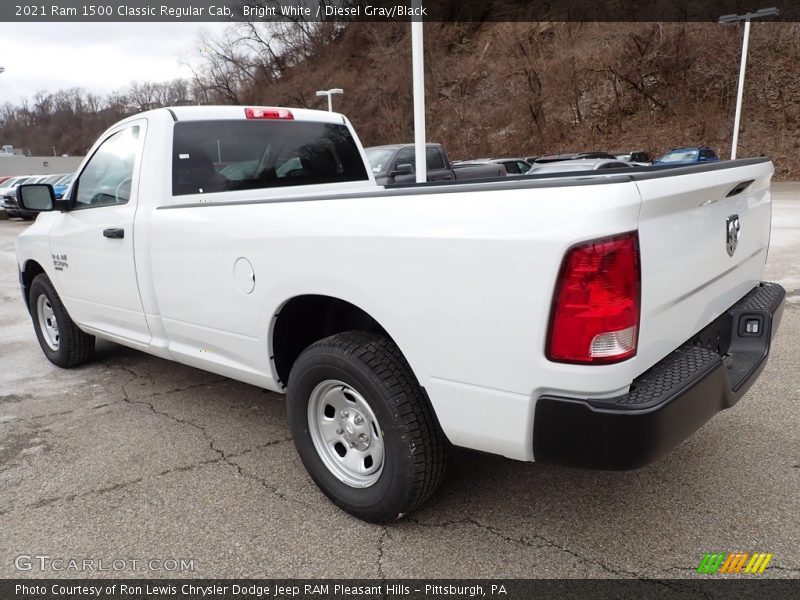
(591, 319)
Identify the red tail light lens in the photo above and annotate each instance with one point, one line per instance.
(268, 113)
(595, 314)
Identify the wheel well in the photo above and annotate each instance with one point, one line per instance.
(304, 320)
(30, 270)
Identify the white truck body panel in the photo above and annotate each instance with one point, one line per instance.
(461, 277)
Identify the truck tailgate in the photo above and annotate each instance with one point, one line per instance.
(703, 235)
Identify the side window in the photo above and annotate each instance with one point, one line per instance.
(433, 158)
(511, 167)
(706, 154)
(106, 179)
(406, 156)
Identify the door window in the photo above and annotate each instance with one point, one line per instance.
(706, 154)
(406, 156)
(433, 159)
(106, 179)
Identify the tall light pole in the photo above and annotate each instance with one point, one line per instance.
(418, 80)
(329, 94)
(747, 17)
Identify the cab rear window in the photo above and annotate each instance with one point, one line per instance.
(218, 156)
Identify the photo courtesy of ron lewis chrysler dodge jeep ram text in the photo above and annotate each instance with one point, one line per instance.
(594, 318)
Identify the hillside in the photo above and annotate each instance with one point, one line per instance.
(492, 88)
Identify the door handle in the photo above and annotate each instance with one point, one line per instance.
(114, 232)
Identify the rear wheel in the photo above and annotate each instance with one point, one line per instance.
(62, 342)
(363, 427)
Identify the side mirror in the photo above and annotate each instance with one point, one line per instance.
(38, 197)
(404, 169)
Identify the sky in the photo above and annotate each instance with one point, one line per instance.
(99, 57)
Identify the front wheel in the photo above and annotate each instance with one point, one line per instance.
(62, 342)
(363, 427)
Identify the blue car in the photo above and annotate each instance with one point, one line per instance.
(688, 156)
(62, 185)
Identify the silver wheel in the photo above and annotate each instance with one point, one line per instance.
(47, 322)
(346, 433)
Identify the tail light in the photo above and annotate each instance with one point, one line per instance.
(595, 314)
(268, 113)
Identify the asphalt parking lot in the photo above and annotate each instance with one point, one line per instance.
(133, 457)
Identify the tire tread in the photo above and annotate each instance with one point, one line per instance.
(79, 345)
(407, 400)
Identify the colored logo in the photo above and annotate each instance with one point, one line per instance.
(736, 562)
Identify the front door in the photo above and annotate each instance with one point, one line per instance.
(93, 246)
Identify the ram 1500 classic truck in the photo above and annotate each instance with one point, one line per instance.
(396, 163)
(592, 320)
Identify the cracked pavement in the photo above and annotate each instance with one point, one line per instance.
(132, 456)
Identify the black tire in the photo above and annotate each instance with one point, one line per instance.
(74, 346)
(415, 449)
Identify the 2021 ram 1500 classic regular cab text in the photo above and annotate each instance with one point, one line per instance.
(596, 320)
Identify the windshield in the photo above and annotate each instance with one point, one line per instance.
(378, 158)
(679, 156)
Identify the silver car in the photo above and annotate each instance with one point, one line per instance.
(580, 164)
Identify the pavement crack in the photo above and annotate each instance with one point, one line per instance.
(784, 568)
(126, 369)
(538, 542)
(228, 459)
(45, 416)
(70, 497)
(188, 387)
(381, 541)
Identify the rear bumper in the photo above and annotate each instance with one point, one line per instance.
(669, 402)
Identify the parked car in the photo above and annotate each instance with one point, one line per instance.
(688, 156)
(593, 322)
(580, 164)
(396, 163)
(530, 159)
(8, 199)
(640, 158)
(513, 166)
(573, 156)
(4, 178)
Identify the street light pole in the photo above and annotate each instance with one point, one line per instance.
(740, 92)
(329, 94)
(764, 12)
(418, 80)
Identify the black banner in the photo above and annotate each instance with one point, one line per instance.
(712, 587)
(389, 10)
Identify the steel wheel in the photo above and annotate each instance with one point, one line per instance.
(48, 322)
(346, 433)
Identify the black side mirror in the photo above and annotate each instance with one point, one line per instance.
(38, 197)
(404, 169)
